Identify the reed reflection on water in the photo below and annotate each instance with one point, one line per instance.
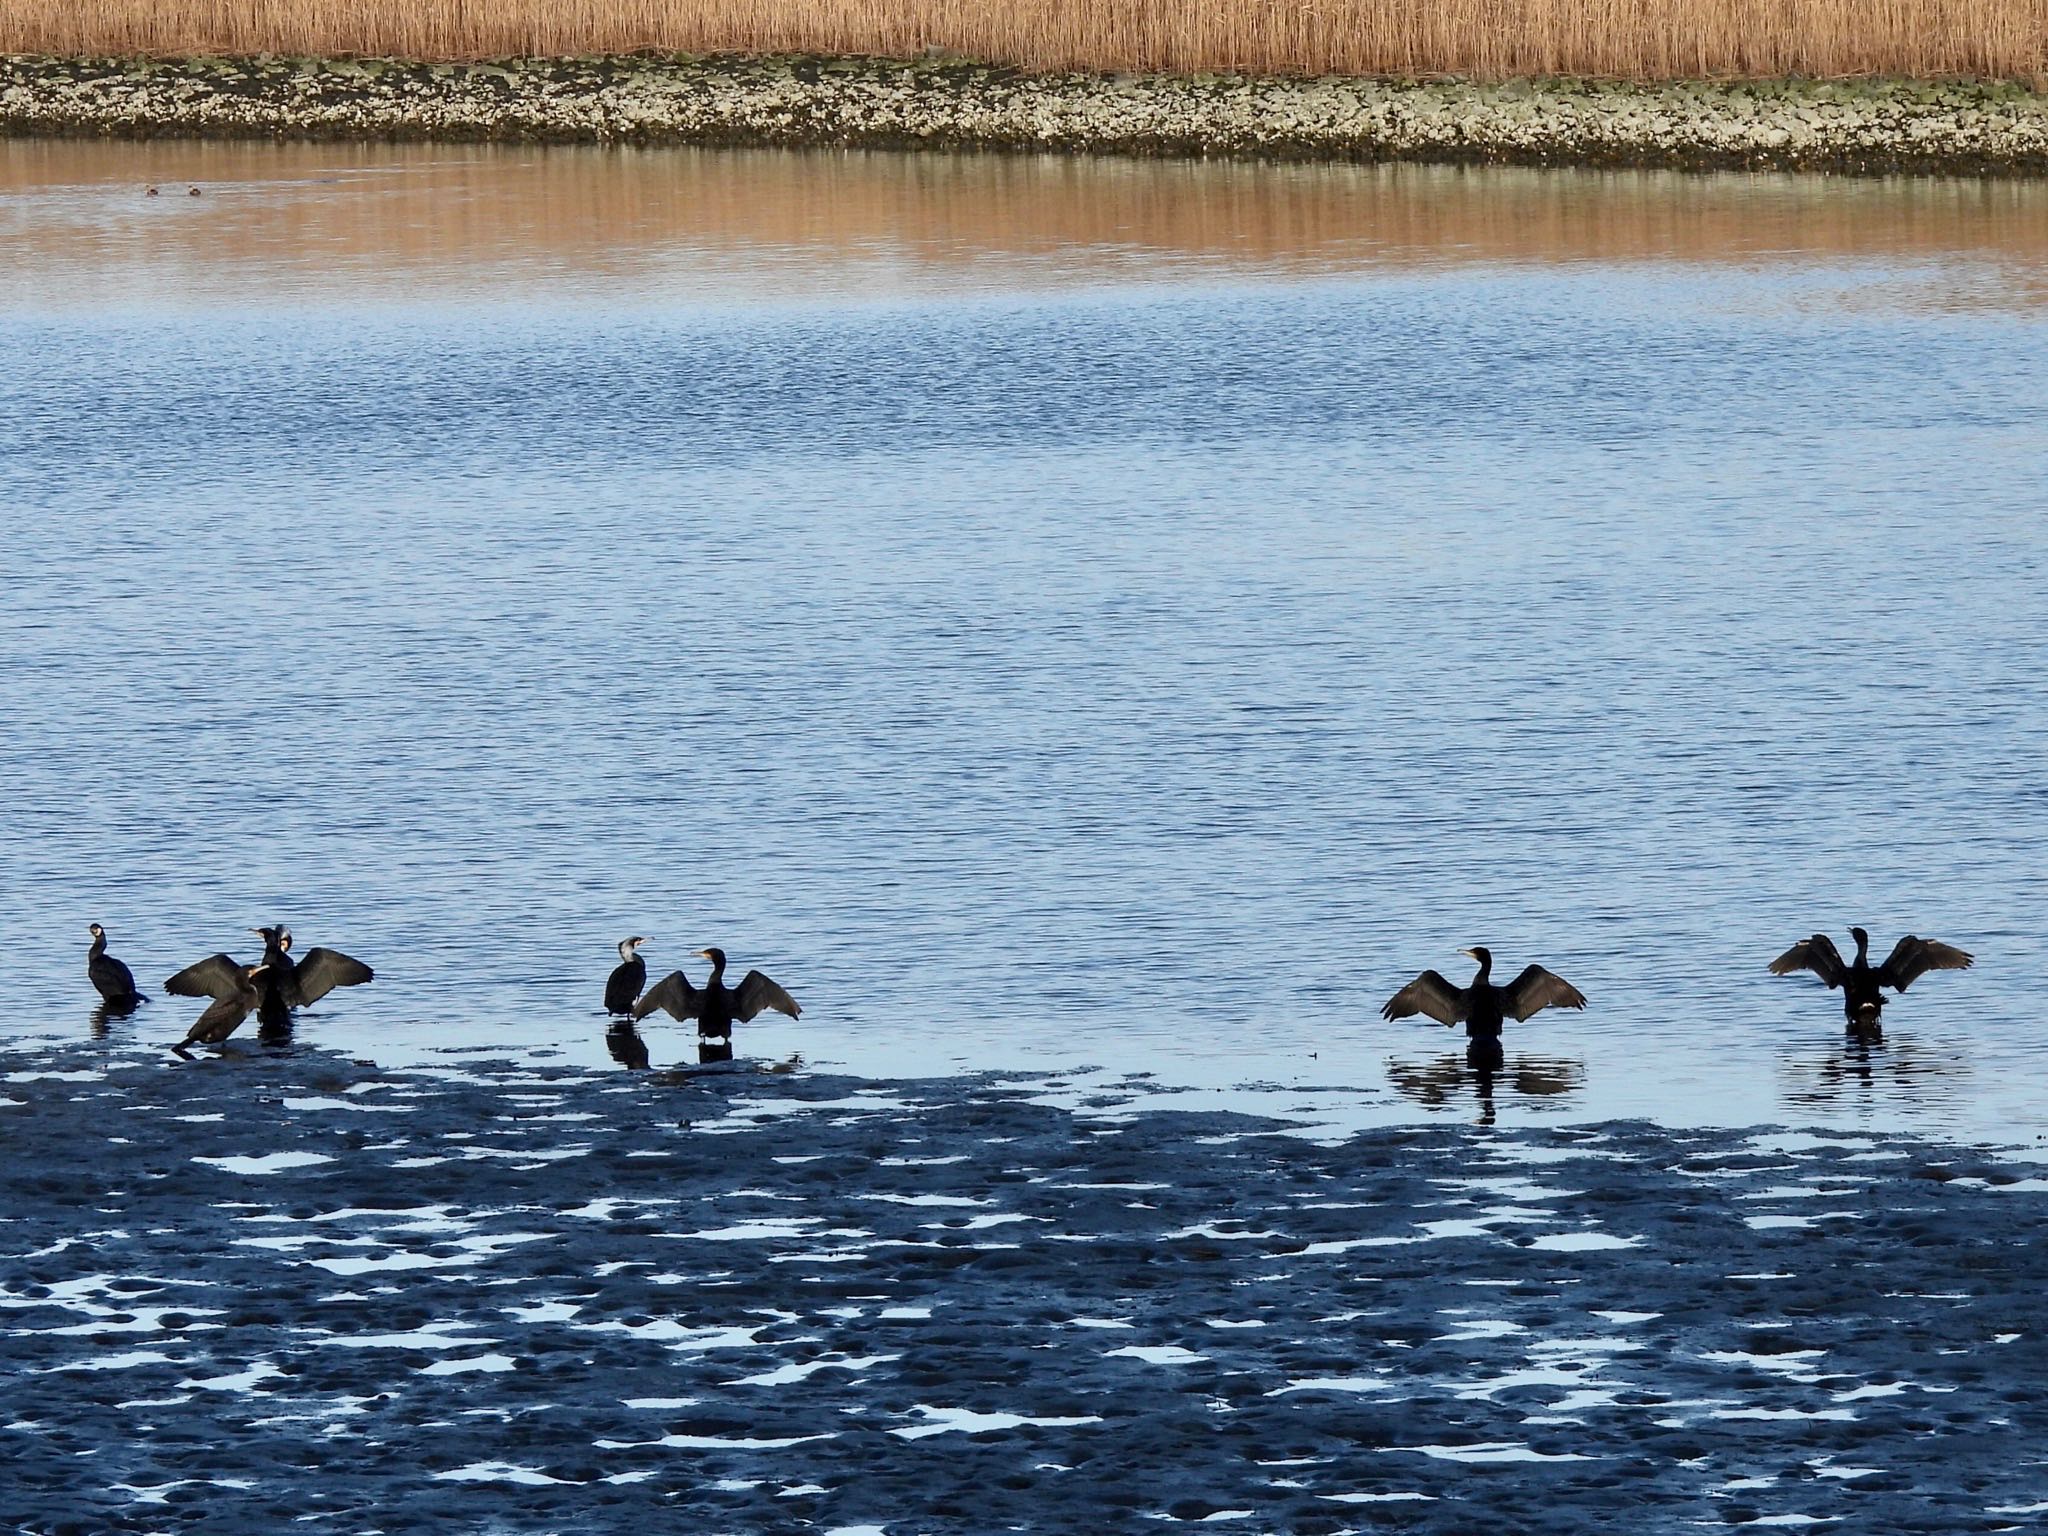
(1053, 614)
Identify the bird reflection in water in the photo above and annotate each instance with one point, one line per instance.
(1873, 1070)
(1483, 1069)
(628, 1047)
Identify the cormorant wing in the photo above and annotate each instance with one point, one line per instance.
(1913, 958)
(1818, 955)
(1429, 993)
(222, 1018)
(674, 993)
(216, 976)
(1537, 989)
(757, 992)
(322, 971)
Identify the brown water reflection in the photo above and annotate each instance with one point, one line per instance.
(392, 221)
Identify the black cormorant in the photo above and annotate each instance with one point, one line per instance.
(622, 988)
(224, 1015)
(1860, 981)
(116, 983)
(287, 983)
(715, 1005)
(1482, 1007)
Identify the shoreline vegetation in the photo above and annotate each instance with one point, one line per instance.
(1486, 40)
(1863, 127)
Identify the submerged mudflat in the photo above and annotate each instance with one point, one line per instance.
(947, 103)
(526, 1301)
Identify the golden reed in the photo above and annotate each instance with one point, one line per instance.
(1486, 39)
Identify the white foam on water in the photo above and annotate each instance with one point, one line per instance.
(543, 1312)
(239, 1381)
(1842, 1414)
(1583, 1242)
(784, 1374)
(767, 1229)
(112, 1362)
(498, 1472)
(909, 1314)
(944, 1421)
(681, 1336)
(452, 1335)
(949, 1200)
(473, 1363)
(275, 1162)
(1491, 1452)
(660, 1402)
(1328, 1384)
(1793, 1520)
(361, 1109)
(1625, 1318)
(1480, 1328)
(1792, 1362)
(1379, 1498)
(606, 1206)
(1156, 1354)
(711, 1443)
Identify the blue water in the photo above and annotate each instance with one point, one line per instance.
(1097, 670)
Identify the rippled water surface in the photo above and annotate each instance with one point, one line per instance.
(1052, 615)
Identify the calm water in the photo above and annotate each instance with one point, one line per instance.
(1099, 618)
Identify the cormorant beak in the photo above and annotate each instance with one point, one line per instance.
(703, 954)
(1469, 954)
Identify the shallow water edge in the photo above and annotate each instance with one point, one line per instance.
(1863, 128)
(544, 1300)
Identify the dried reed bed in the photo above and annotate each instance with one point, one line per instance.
(1486, 39)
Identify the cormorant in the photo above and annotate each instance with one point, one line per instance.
(1860, 981)
(1482, 1007)
(715, 1005)
(287, 983)
(116, 983)
(622, 988)
(224, 1015)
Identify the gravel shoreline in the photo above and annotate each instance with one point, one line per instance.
(1864, 128)
(265, 1290)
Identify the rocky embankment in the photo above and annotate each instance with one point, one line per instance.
(1869, 127)
(278, 1291)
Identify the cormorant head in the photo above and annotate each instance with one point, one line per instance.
(715, 956)
(1862, 939)
(96, 930)
(1480, 953)
(627, 946)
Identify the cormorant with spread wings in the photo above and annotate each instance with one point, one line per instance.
(224, 1015)
(286, 984)
(1860, 981)
(1482, 1007)
(715, 1005)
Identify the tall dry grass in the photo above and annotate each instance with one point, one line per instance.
(1490, 39)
